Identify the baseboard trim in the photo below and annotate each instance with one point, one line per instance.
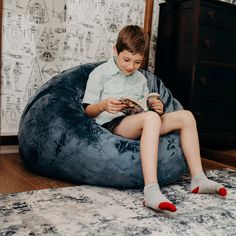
(9, 149)
(9, 140)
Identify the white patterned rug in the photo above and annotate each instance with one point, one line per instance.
(88, 210)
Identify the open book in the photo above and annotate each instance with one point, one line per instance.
(134, 107)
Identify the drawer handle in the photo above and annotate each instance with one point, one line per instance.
(211, 14)
(203, 80)
(207, 43)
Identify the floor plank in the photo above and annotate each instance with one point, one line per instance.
(212, 165)
(15, 178)
(227, 157)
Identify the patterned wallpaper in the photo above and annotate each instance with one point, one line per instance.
(41, 38)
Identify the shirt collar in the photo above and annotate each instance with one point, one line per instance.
(113, 68)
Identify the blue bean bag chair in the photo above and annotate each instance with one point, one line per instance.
(58, 139)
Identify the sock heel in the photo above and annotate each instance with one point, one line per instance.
(195, 190)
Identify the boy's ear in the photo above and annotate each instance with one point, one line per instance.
(115, 51)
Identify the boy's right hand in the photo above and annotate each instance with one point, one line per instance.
(112, 105)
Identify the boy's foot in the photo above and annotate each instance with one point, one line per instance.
(154, 199)
(201, 184)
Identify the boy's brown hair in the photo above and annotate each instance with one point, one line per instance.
(132, 38)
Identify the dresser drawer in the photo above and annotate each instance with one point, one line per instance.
(214, 115)
(218, 140)
(214, 81)
(216, 45)
(218, 16)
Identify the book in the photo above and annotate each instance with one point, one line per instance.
(133, 106)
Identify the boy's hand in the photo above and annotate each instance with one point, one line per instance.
(157, 105)
(112, 105)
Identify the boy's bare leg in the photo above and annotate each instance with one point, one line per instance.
(184, 122)
(147, 125)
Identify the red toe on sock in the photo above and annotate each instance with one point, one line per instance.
(223, 192)
(167, 206)
(195, 190)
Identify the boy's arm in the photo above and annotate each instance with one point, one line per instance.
(155, 104)
(92, 103)
(110, 105)
(91, 100)
(93, 110)
(158, 106)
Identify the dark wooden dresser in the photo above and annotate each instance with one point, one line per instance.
(196, 60)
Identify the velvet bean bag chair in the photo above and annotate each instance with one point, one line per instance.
(57, 139)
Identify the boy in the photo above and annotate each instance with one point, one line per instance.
(120, 77)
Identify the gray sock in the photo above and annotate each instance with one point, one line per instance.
(154, 199)
(201, 184)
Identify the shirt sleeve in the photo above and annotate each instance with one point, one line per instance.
(93, 88)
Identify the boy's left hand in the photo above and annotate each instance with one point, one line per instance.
(157, 105)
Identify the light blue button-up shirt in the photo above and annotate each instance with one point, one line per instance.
(107, 81)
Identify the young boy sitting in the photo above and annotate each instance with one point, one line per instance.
(119, 77)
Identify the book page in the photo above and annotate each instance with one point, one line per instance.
(132, 106)
(150, 97)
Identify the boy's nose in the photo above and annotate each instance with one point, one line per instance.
(131, 65)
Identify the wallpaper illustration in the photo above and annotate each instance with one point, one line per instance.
(42, 38)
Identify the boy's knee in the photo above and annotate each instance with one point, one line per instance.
(188, 118)
(151, 117)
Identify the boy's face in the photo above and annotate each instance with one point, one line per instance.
(128, 62)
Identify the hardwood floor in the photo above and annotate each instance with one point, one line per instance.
(15, 178)
(228, 157)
